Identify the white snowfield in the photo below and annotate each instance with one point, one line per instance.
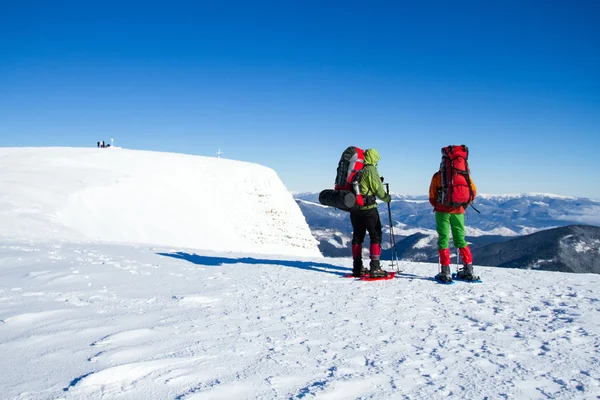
(92, 321)
(212, 312)
(128, 196)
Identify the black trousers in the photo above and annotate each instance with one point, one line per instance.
(363, 221)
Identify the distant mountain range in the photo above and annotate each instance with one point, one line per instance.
(503, 219)
(574, 248)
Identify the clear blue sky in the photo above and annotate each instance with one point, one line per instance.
(291, 84)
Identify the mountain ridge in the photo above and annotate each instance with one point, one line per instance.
(572, 248)
(502, 217)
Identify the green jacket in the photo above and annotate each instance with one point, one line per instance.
(370, 183)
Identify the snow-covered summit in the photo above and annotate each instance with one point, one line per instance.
(128, 196)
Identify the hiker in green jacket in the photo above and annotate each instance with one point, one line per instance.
(366, 218)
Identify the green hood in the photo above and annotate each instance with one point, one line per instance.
(372, 156)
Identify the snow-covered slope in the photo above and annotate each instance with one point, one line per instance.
(574, 248)
(81, 320)
(118, 195)
(92, 321)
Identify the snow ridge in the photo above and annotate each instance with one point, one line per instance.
(127, 196)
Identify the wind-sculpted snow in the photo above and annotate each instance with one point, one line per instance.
(83, 321)
(126, 196)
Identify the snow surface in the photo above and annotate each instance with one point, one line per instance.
(541, 203)
(91, 321)
(526, 230)
(521, 195)
(128, 196)
(226, 319)
(585, 247)
(470, 231)
(540, 263)
(424, 242)
(312, 203)
(334, 238)
(411, 201)
(403, 230)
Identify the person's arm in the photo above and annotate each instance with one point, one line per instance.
(377, 186)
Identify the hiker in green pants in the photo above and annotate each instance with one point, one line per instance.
(451, 217)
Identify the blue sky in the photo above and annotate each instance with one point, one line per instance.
(291, 84)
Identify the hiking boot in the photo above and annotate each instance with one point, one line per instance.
(358, 269)
(466, 273)
(376, 271)
(445, 275)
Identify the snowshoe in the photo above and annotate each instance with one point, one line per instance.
(376, 271)
(466, 274)
(445, 276)
(364, 272)
(390, 275)
(458, 279)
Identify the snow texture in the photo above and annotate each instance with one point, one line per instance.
(522, 195)
(91, 321)
(227, 319)
(474, 232)
(127, 196)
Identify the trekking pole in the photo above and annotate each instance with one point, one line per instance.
(457, 265)
(392, 238)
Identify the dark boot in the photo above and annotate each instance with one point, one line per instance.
(376, 271)
(466, 273)
(358, 269)
(445, 275)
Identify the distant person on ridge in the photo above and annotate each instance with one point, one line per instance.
(453, 179)
(367, 218)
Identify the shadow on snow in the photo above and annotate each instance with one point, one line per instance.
(217, 261)
(404, 275)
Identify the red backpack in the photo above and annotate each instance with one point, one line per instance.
(349, 172)
(456, 179)
(346, 194)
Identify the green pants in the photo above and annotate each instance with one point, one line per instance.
(446, 221)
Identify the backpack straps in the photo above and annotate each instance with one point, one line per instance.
(368, 199)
